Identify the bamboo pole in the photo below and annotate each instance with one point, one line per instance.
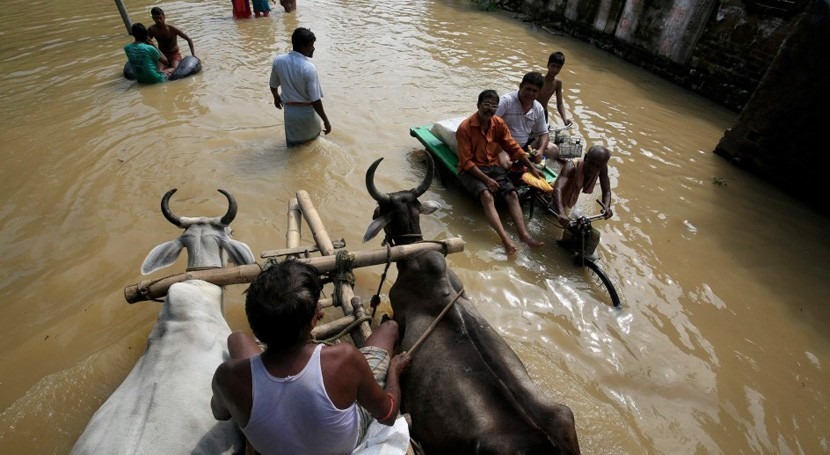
(124, 16)
(328, 329)
(343, 291)
(292, 237)
(154, 289)
(321, 237)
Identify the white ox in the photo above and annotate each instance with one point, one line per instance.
(164, 404)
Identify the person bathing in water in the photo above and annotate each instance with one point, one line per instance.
(149, 65)
(165, 35)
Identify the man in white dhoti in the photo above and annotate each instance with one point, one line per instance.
(302, 97)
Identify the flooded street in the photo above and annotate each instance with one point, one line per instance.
(722, 342)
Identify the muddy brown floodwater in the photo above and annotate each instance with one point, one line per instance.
(721, 345)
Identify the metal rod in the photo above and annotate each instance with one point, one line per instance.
(125, 16)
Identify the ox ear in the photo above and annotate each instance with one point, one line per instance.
(429, 206)
(376, 226)
(162, 256)
(238, 252)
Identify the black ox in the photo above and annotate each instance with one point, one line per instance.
(467, 391)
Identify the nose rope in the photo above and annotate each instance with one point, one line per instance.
(376, 298)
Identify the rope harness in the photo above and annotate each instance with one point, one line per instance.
(346, 330)
(390, 242)
(344, 268)
(432, 326)
(376, 298)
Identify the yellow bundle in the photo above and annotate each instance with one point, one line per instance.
(538, 183)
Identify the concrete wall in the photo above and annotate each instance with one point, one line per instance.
(720, 49)
(776, 136)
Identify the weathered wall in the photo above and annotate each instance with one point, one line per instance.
(720, 49)
(776, 136)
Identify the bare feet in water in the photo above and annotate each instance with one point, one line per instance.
(510, 248)
(533, 243)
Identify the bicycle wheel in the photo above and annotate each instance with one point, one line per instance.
(603, 278)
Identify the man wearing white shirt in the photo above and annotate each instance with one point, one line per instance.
(525, 117)
(302, 97)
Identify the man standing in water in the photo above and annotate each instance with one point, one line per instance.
(165, 35)
(580, 176)
(480, 139)
(148, 64)
(301, 92)
(297, 396)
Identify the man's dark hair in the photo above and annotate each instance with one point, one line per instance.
(281, 302)
(156, 11)
(139, 32)
(302, 37)
(533, 78)
(557, 57)
(487, 95)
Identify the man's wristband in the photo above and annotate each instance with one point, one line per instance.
(391, 406)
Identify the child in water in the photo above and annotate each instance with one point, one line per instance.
(261, 7)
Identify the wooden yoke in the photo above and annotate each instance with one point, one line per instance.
(343, 291)
(155, 289)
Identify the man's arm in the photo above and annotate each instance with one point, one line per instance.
(491, 184)
(217, 401)
(605, 184)
(564, 175)
(465, 148)
(318, 108)
(530, 167)
(540, 127)
(161, 57)
(382, 404)
(277, 100)
(512, 148)
(544, 140)
(560, 105)
(274, 84)
(186, 38)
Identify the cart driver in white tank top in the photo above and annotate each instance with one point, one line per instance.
(296, 396)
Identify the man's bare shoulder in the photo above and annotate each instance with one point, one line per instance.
(232, 369)
(341, 350)
(342, 358)
(568, 169)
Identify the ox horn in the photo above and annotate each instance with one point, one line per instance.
(424, 186)
(231, 213)
(381, 198)
(165, 209)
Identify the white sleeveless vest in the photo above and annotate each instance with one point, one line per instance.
(294, 415)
